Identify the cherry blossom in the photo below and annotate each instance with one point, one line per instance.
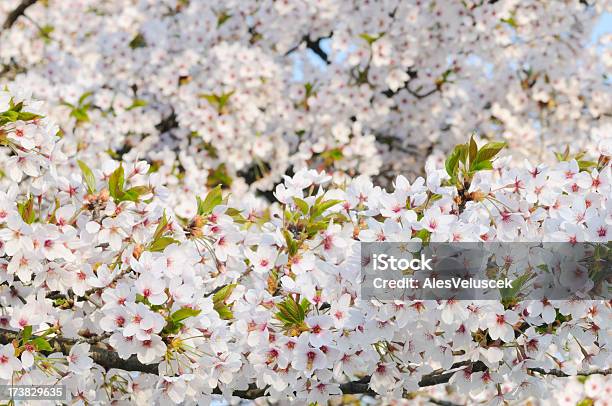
(185, 188)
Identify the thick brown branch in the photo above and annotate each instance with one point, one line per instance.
(108, 359)
(101, 355)
(18, 12)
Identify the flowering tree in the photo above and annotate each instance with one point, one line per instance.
(230, 93)
(139, 261)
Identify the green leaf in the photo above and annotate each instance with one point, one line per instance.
(219, 177)
(484, 165)
(88, 176)
(370, 39)
(236, 215)
(280, 316)
(136, 104)
(292, 246)
(217, 101)
(116, 183)
(290, 311)
(473, 150)
(510, 294)
(42, 344)
(25, 116)
(15, 107)
(171, 327)
(211, 98)
(161, 227)
(320, 208)
(26, 209)
(45, 32)
(338, 218)
(423, 235)
(301, 204)
(585, 165)
(133, 194)
(27, 333)
(224, 312)
(328, 204)
(84, 97)
(212, 200)
(489, 150)
(138, 41)
(129, 196)
(314, 228)
(224, 293)
(184, 313)
(10, 116)
(224, 99)
(222, 18)
(284, 315)
(510, 21)
(309, 87)
(65, 103)
(332, 155)
(305, 305)
(463, 153)
(80, 114)
(161, 243)
(566, 153)
(452, 163)
(585, 402)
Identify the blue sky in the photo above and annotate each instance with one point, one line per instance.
(604, 26)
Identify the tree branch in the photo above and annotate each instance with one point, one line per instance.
(100, 353)
(441, 402)
(314, 46)
(561, 374)
(406, 86)
(18, 12)
(109, 359)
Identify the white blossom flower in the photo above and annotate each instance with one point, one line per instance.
(8, 362)
(79, 361)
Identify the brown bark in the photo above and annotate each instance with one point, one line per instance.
(18, 12)
(108, 359)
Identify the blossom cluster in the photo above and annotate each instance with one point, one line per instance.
(110, 290)
(234, 93)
